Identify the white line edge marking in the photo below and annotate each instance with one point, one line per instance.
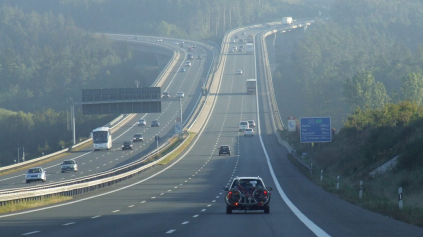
(313, 227)
(32, 232)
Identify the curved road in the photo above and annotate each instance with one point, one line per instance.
(185, 197)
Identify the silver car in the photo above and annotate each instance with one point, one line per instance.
(36, 174)
(69, 165)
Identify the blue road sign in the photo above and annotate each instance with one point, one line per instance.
(315, 130)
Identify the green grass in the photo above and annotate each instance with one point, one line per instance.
(380, 194)
(13, 207)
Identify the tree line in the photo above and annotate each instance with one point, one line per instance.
(367, 55)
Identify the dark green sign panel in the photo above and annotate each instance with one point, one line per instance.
(121, 100)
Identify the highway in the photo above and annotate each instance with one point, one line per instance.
(89, 162)
(185, 198)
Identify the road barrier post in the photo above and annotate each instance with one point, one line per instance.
(360, 192)
(337, 182)
(321, 175)
(400, 202)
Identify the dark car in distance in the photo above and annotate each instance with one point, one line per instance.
(155, 123)
(127, 145)
(224, 149)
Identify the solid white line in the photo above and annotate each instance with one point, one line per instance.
(70, 223)
(33, 232)
(170, 231)
(313, 227)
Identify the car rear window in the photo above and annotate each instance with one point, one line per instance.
(243, 123)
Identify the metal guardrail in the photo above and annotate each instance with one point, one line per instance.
(85, 184)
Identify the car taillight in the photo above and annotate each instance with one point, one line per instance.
(265, 192)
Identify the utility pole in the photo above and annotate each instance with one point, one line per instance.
(72, 108)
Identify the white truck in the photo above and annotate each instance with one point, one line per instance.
(287, 20)
(249, 48)
(251, 86)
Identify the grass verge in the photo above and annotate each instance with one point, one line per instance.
(378, 196)
(13, 207)
(178, 151)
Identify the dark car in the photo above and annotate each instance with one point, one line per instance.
(138, 137)
(247, 193)
(199, 57)
(224, 149)
(127, 145)
(155, 123)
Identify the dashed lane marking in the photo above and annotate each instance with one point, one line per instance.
(70, 223)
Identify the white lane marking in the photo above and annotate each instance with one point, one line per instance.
(313, 227)
(214, 201)
(94, 217)
(82, 164)
(153, 197)
(217, 196)
(185, 222)
(204, 210)
(195, 216)
(209, 205)
(143, 202)
(170, 231)
(169, 190)
(116, 211)
(131, 206)
(161, 194)
(32, 232)
(70, 223)
(175, 187)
